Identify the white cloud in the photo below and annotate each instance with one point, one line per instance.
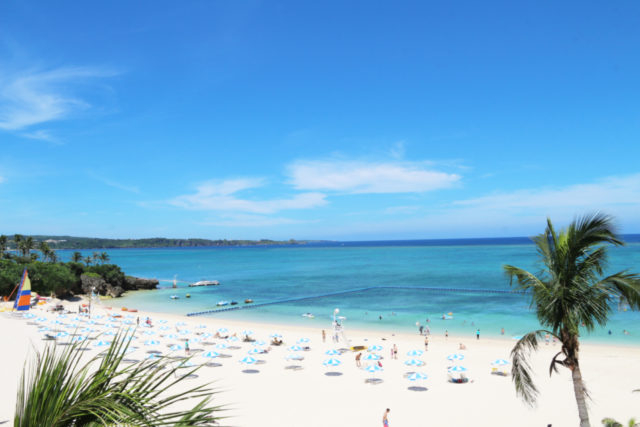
(357, 177)
(33, 97)
(221, 196)
(246, 220)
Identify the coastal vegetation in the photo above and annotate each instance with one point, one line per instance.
(24, 244)
(50, 277)
(570, 294)
(57, 389)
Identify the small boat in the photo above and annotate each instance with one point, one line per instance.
(248, 301)
(174, 297)
(309, 315)
(205, 283)
(188, 295)
(222, 303)
(234, 302)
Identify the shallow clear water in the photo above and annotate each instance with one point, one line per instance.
(267, 274)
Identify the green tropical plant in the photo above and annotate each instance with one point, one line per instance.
(568, 293)
(76, 257)
(57, 390)
(104, 257)
(3, 245)
(26, 245)
(88, 260)
(610, 422)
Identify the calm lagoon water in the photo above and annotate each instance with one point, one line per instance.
(277, 273)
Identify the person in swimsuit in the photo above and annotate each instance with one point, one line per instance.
(385, 418)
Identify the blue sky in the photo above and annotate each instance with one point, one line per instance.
(318, 120)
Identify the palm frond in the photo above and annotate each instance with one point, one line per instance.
(58, 388)
(521, 368)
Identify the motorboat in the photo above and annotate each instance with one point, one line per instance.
(174, 297)
(204, 283)
(222, 303)
(188, 295)
(248, 301)
(309, 315)
(234, 302)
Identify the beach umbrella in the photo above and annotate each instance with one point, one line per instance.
(332, 352)
(28, 315)
(373, 368)
(41, 319)
(57, 322)
(87, 330)
(248, 360)
(171, 336)
(223, 330)
(180, 324)
(456, 356)
(294, 356)
(331, 362)
(101, 343)
(414, 353)
(517, 337)
(257, 343)
(372, 356)
(152, 356)
(184, 332)
(149, 333)
(303, 340)
(129, 316)
(110, 325)
(295, 348)
(109, 333)
(43, 329)
(162, 321)
(164, 328)
(275, 336)
(211, 354)
(233, 339)
(62, 334)
(457, 369)
(256, 350)
(375, 348)
(201, 326)
(72, 325)
(414, 362)
(194, 340)
(62, 316)
(91, 322)
(207, 335)
(176, 347)
(500, 362)
(221, 346)
(152, 342)
(417, 376)
(77, 319)
(247, 332)
(78, 338)
(128, 322)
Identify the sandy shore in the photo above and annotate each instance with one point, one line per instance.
(275, 396)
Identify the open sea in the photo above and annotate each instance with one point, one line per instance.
(393, 278)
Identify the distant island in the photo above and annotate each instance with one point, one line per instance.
(70, 242)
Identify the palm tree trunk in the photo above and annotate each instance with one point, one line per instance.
(578, 389)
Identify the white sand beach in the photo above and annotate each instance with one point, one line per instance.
(276, 396)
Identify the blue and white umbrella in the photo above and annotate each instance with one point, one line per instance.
(149, 333)
(180, 324)
(152, 342)
(373, 368)
(223, 330)
(91, 322)
(109, 333)
(275, 335)
(457, 368)
(87, 330)
(41, 319)
(233, 339)
(101, 343)
(415, 353)
(375, 348)
(164, 328)
(162, 321)
(62, 334)
(248, 360)
(57, 322)
(128, 322)
(456, 356)
(28, 315)
(256, 350)
(500, 362)
(332, 352)
(331, 362)
(413, 362)
(247, 332)
(153, 356)
(417, 376)
(78, 338)
(294, 356)
(171, 336)
(304, 340)
(176, 347)
(194, 340)
(129, 316)
(258, 343)
(211, 354)
(221, 346)
(43, 329)
(295, 348)
(72, 325)
(184, 332)
(207, 335)
(201, 326)
(110, 325)
(98, 316)
(372, 356)
(62, 316)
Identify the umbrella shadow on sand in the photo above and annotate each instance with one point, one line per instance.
(417, 388)
(294, 367)
(374, 381)
(333, 374)
(251, 371)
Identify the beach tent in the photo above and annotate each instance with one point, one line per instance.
(23, 297)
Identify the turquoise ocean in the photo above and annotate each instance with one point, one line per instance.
(394, 274)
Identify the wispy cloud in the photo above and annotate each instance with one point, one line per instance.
(246, 220)
(358, 177)
(34, 97)
(221, 196)
(41, 135)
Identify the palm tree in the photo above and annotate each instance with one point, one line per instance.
(47, 252)
(26, 245)
(88, 260)
(104, 257)
(96, 257)
(76, 257)
(55, 390)
(17, 239)
(570, 292)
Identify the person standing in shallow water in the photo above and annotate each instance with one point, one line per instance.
(478, 334)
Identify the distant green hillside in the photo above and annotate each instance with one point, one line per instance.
(69, 242)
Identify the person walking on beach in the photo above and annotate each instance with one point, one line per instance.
(395, 351)
(385, 418)
(446, 333)
(358, 356)
(186, 348)
(324, 336)
(426, 343)
(478, 334)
